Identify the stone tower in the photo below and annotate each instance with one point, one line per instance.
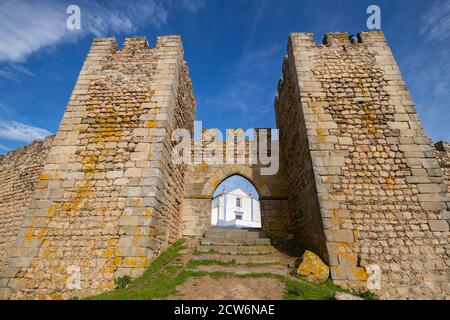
(108, 197)
(366, 187)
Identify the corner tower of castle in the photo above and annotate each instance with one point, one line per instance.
(366, 186)
(108, 197)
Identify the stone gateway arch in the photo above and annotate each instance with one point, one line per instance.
(359, 182)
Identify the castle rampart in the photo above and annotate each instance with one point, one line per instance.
(359, 182)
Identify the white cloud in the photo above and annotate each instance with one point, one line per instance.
(29, 26)
(14, 72)
(17, 131)
(436, 21)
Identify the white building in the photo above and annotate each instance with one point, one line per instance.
(236, 209)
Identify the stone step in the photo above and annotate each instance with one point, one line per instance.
(241, 269)
(239, 259)
(231, 242)
(233, 233)
(236, 249)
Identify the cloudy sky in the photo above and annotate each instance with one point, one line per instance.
(234, 49)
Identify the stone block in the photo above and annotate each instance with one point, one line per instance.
(430, 163)
(5, 293)
(129, 221)
(438, 225)
(18, 283)
(433, 205)
(338, 273)
(114, 174)
(429, 188)
(348, 259)
(343, 236)
(445, 215)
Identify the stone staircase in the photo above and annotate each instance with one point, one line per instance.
(236, 251)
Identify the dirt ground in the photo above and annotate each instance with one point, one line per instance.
(230, 288)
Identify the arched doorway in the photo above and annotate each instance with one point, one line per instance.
(236, 204)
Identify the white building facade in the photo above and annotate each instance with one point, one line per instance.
(235, 208)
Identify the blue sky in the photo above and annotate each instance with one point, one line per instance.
(234, 49)
(234, 182)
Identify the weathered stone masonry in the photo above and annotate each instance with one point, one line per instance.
(380, 197)
(108, 198)
(20, 170)
(359, 182)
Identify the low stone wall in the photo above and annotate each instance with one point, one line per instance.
(19, 173)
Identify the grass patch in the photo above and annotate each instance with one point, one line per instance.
(158, 281)
(208, 262)
(300, 289)
(366, 295)
(214, 251)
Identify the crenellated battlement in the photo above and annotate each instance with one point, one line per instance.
(303, 39)
(110, 44)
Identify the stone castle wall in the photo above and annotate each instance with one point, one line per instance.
(359, 181)
(108, 199)
(379, 184)
(19, 170)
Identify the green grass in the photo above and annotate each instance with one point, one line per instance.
(158, 282)
(208, 262)
(366, 295)
(300, 289)
(213, 251)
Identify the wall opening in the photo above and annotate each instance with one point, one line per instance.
(236, 204)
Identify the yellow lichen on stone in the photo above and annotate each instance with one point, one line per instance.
(137, 262)
(55, 296)
(109, 252)
(41, 234)
(151, 124)
(313, 268)
(29, 234)
(320, 134)
(360, 273)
